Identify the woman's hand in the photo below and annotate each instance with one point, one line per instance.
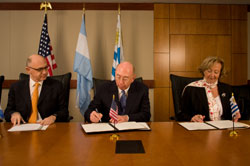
(198, 118)
(237, 116)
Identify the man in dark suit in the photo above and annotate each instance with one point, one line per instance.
(136, 106)
(51, 105)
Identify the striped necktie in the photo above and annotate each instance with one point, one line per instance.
(33, 117)
(123, 101)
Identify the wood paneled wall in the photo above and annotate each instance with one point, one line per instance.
(184, 34)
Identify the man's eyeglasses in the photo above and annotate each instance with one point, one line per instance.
(40, 69)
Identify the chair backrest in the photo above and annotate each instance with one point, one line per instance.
(178, 84)
(1, 84)
(64, 79)
(98, 82)
(242, 97)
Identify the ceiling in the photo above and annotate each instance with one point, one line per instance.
(142, 1)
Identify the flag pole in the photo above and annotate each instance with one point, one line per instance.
(114, 137)
(116, 106)
(119, 8)
(83, 9)
(233, 133)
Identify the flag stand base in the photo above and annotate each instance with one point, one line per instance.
(233, 133)
(114, 137)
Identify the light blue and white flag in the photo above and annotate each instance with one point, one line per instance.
(82, 66)
(118, 54)
(1, 113)
(234, 106)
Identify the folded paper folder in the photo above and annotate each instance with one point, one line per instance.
(109, 127)
(129, 146)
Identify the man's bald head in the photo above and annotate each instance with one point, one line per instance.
(124, 75)
(36, 67)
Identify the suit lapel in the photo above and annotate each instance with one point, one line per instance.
(44, 91)
(27, 95)
(114, 91)
(132, 95)
(223, 96)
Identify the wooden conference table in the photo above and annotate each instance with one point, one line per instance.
(167, 144)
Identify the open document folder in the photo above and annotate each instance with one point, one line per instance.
(110, 127)
(212, 125)
(28, 127)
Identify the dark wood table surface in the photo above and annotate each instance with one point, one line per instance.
(167, 144)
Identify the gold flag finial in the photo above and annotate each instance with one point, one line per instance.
(45, 5)
(233, 98)
(113, 97)
(83, 8)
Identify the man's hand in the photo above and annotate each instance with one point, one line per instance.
(49, 120)
(95, 117)
(16, 118)
(120, 118)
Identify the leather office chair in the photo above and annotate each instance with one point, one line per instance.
(242, 97)
(98, 82)
(1, 84)
(64, 79)
(178, 84)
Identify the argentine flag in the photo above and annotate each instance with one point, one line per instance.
(82, 66)
(1, 113)
(118, 54)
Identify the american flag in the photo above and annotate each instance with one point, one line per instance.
(113, 110)
(234, 106)
(45, 48)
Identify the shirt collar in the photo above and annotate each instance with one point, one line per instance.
(32, 82)
(126, 90)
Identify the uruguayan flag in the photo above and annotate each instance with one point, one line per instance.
(82, 66)
(118, 54)
(234, 106)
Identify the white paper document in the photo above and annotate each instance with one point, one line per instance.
(210, 125)
(28, 127)
(97, 127)
(131, 125)
(196, 126)
(226, 124)
(145, 125)
(109, 127)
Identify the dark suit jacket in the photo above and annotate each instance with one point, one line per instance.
(51, 100)
(194, 101)
(137, 103)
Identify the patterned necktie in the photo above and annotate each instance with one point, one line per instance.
(33, 117)
(123, 101)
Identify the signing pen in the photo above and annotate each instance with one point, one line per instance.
(98, 112)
